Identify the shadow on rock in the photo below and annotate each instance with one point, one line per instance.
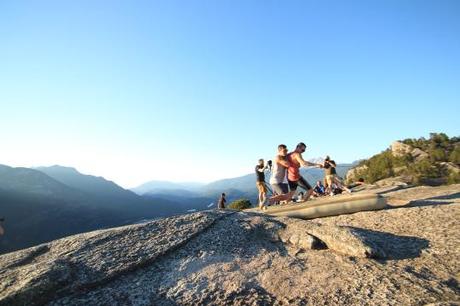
(250, 293)
(393, 247)
(427, 202)
(431, 201)
(446, 197)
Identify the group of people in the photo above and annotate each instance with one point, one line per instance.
(285, 177)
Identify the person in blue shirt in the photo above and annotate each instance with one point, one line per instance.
(319, 189)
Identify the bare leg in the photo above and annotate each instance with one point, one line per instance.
(340, 185)
(262, 199)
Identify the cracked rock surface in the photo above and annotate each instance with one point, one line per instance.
(405, 255)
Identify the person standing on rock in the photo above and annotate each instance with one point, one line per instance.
(330, 175)
(2, 231)
(221, 202)
(329, 171)
(260, 182)
(295, 162)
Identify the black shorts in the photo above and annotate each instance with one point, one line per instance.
(302, 183)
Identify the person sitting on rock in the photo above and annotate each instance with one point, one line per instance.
(336, 189)
(300, 196)
(319, 189)
(359, 182)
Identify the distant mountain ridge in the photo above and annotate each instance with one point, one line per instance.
(98, 187)
(51, 202)
(31, 181)
(157, 185)
(88, 183)
(237, 187)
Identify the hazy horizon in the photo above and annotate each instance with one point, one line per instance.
(178, 181)
(198, 91)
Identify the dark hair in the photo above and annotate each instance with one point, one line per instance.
(301, 144)
(223, 194)
(282, 146)
(361, 180)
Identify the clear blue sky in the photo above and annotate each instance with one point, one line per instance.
(199, 90)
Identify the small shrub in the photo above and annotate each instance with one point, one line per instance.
(454, 157)
(380, 166)
(240, 204)
(453, 178)
(437, 154)
(424, 170)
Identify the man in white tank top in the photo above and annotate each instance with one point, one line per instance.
(278, 180)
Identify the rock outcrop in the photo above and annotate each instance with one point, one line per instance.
(399, 149)
(353, 173)
(431, 162)
(227, 257)
(451, 167)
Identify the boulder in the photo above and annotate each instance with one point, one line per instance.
(399, 149)
(353, 174)
(419, 155)
(341, 239)
(451, 167)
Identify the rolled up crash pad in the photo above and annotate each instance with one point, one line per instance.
(328, 206)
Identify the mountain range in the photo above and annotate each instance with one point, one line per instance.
(47, 203)
(242, 186)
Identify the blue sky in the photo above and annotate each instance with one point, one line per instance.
(199, 90)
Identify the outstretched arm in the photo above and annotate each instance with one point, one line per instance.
(305, 163)
(331, 163)
(263, 169)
